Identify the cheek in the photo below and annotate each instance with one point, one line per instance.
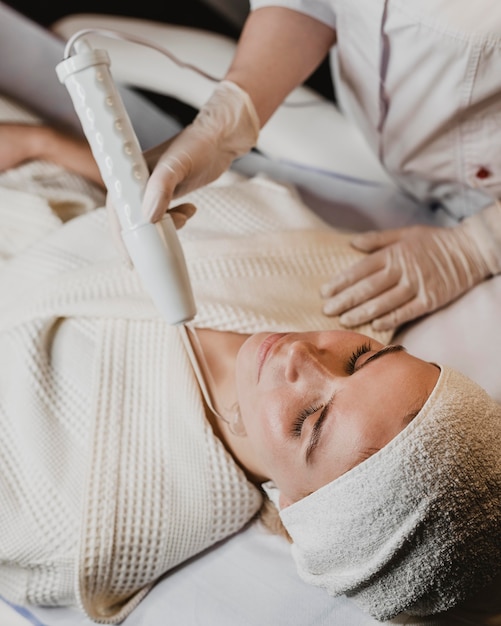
(261, 404)
(267, 432)
(261, 427)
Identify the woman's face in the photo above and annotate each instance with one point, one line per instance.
(316, 404)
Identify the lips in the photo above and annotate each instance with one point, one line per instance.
(264, 350)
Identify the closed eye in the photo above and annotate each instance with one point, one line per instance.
(297, 425)
(317, 429)
(352, 361)
(352, 366)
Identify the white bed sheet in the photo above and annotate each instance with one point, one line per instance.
(250, 579)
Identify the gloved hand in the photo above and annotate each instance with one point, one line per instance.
(414, 270)
(180, 215)
(226, 127)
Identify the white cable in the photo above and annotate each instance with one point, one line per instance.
(115, 34)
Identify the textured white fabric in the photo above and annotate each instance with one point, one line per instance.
(258, 256)
(109, 475)
(417, 526)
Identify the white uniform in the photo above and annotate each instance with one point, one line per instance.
(422, 80)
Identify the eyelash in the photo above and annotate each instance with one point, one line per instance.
(302, 417)
(352, 361)
(350, 369)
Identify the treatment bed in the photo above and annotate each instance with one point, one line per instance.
(249, 579)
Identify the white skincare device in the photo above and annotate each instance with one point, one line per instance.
(154, 249)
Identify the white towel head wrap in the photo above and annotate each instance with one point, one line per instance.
(417, 526)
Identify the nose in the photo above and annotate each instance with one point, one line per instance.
(303, 357)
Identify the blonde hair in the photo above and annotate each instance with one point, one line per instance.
(270, 519)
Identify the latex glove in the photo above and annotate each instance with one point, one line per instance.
(226, 127)
(180, 215)
(414, 270)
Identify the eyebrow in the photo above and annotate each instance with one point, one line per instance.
(316, 431)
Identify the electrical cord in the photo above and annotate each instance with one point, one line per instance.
(115, 34)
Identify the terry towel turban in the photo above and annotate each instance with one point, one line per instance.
(417, 526)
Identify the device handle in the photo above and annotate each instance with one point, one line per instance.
(155, 249)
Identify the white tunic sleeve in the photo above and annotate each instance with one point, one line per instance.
(318, 9)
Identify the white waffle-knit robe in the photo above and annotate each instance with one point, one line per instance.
(110, 474)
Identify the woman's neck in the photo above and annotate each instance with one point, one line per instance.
(216, 353)
(221, 350)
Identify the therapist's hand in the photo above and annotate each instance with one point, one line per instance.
(226, 127)
(180, 215)
(408, 272)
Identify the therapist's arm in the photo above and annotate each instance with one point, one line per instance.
(277, 51)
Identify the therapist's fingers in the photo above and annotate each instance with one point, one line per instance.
(376, 239)
(358, 287)
(410, 311)
(380, 308)
(160, 190)
(355, 273)
(181, 214)
(152, 155)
